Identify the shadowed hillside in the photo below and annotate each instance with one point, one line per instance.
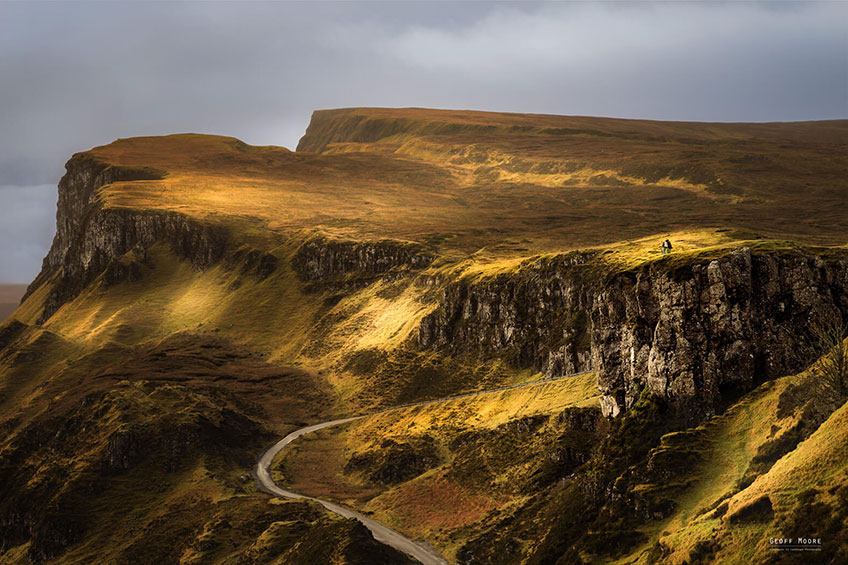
(204, 297)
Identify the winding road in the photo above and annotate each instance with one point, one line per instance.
(381, 532)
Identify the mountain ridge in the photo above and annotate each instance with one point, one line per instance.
(206, 296)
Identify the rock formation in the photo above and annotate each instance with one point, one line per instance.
(90, 238)
(693, 333)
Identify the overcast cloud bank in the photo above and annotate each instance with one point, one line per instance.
(25, 214)
(77, 75)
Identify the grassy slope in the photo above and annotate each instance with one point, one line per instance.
(711, 473)
(485, 191)
(558, 183)
(141, 453)
(725, 445)
(444, 500)
(572, 171)
(726, 464)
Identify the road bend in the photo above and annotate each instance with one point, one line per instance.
(381, 532)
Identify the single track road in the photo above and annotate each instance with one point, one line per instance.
(381, 532)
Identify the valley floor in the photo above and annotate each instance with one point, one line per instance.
(317, 469)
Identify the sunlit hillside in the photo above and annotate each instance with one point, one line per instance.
(204, 297)
(510, 184)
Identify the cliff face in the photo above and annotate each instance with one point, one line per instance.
(321, 258)
(84, 175)
(694, 334)
(538, 316)
(91, 239)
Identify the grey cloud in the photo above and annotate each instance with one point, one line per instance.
(24, 211)
(76, 75)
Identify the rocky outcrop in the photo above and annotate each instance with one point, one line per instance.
(692, 333)
(84, 176)
(537, 316)
(91, 239)
(321, 258)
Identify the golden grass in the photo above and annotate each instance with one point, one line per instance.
(433, 505)
(629, 254)
(487, 410)
(510, 185)
(485, 192)
(275, 317)
(727, 444)
(464, 161)
(820, 462)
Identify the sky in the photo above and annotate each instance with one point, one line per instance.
(76, 75)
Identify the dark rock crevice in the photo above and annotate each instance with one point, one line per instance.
(324, 259)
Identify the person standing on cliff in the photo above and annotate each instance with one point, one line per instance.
(666, 246)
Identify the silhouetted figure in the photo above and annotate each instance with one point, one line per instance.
(666, 246)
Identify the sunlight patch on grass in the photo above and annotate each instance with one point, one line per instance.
(728, 443)
(485, 410)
